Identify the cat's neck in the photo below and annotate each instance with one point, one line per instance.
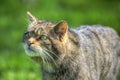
(71, 48)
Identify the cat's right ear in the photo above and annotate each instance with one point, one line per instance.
(31, 17)
(60, 29)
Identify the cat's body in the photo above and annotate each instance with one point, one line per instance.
(86, 53)
(95, 57)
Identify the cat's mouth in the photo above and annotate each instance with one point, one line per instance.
(31, 50)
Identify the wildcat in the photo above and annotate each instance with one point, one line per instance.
(85, 53)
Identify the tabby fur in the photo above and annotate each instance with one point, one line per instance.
(85, 53)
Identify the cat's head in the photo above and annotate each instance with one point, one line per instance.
(44, 40)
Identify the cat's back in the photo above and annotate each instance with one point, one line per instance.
(96, 29)
(99, 32)
(101, 36)
(99, 45)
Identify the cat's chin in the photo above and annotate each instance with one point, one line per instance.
(37, 59)
(35, 56)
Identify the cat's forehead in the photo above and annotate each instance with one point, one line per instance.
(43, 26)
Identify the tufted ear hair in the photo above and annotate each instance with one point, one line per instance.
(61, 28)
(31, 17)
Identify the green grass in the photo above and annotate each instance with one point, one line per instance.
(17, 66)
(14, 63)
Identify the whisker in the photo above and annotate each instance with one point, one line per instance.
(42, 56)
(47, 64)
(46, 61)
(51, 52)
(50, 57)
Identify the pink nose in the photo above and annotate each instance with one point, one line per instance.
(31, 41)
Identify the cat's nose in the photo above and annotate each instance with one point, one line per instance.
(31, 41)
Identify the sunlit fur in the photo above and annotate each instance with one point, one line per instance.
(85, 53)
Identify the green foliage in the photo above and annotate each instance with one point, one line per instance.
(14, 64)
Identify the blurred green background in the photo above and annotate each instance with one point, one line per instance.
(14, 63)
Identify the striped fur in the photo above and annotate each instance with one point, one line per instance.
(85, 53)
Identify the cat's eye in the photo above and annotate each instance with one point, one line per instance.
(43, 37)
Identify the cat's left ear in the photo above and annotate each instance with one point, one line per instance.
(31, 17)
(61, 28)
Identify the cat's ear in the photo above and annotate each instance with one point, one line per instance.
(61, 28)
(31, 17)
